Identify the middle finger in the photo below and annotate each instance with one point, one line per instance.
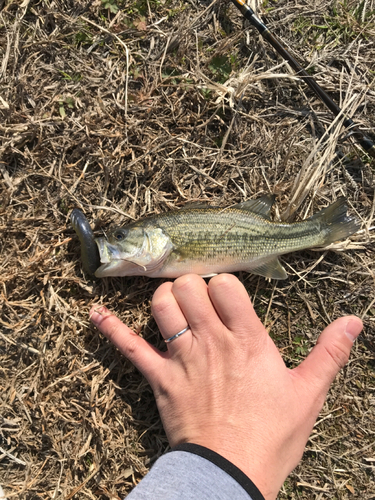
(191, 293)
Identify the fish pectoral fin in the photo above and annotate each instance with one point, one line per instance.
(151, 260)
(261, 206)
(150, 264)
(270, 269)
(138, 262)
(208, 275)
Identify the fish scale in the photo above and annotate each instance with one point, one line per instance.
(234, 233)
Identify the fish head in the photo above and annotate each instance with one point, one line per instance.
(133, 251)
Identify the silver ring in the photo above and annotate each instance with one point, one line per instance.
(177, 335)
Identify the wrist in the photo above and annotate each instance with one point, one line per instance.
(226, 465)
(263, 474)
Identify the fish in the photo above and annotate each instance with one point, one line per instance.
(209, 240)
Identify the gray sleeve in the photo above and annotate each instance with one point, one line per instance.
(191, 472)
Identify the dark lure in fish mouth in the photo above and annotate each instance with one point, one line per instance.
(89, 249)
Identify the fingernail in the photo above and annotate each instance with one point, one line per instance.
(98, 314)
(353, 329)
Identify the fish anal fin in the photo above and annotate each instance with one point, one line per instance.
(261, 206)
(270, 269)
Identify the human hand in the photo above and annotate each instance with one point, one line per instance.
(223, 383)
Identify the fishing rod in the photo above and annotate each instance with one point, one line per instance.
(364, 141)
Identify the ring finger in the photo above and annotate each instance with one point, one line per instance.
(170, 319)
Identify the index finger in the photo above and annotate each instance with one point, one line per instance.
(147, 358)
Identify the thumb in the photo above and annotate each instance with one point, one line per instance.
(330, 354)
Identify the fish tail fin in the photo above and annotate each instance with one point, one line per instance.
(336, 224)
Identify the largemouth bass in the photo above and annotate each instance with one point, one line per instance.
(207, 241)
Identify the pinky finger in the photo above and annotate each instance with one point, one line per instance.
(143, 355)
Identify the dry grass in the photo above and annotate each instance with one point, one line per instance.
(134, 113)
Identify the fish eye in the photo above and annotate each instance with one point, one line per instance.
(119, 234)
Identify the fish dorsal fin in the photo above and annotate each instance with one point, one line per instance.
(261, 206)
(270, 269)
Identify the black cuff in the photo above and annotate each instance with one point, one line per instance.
(225, 465)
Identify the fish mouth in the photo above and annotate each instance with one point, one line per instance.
(108, 252)
(117, 268)
(114, 261)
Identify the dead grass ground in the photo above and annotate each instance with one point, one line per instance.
(135, 112)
